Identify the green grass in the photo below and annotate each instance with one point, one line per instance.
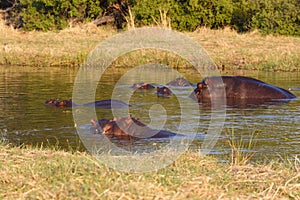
(43, 173)
(49, 173)
(226, 47)
(241, 149)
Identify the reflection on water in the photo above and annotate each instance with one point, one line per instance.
(25, 119)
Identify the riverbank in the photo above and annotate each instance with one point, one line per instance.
(39, 173)
(70, 47)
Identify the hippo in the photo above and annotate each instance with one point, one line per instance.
(128, 127)
(239, 88)
(98, 104)
(179, 82)
(142, 86)
(163, 91)
(59, 103)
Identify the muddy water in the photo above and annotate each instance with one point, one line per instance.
(25, 119)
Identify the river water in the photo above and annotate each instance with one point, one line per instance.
(24, 118)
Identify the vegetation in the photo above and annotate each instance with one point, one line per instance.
(39, 173)
(268, 16)
(70, 47)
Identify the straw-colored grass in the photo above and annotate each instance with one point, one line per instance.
(38, 173)
(250, 50)
(70, 47)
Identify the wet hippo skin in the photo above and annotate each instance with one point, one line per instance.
(98, 104)
(128, 127)
(179, 82)
(142, 86)
(163, 91)
(238, 88)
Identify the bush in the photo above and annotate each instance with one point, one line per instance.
(278, 16)
(185, 15)
(52, 14)
(243, 12)
(268, 16)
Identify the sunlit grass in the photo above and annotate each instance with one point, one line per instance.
(227, 48)
(41, 173)
(241, 149)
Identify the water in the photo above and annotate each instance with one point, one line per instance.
(25, 119)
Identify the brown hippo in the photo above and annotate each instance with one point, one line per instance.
(142, 86)
(238, 88)
(128, 127)
(179, 82)
(163, 91)
(59, 103)
(98, 104)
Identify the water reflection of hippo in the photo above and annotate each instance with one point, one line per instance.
(163, 91)
(98, 104)
(181, 82)
(128, 127)
(239, 88)
(142, 86)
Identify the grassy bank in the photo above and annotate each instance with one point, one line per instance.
(70, 47)
(37, 173)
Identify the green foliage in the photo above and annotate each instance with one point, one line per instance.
(209, 13)
(268, 16)
(185, 15)
(56, 14)
(243, 12)
(278, 16)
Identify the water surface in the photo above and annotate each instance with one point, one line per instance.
(25, 119)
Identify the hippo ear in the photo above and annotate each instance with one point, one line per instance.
(95, 123)
(128, 121)
(206, 81)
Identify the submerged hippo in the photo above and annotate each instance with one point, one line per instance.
(142, 86)
(59, 103)
(179, 82)
(98, 104)
(128, 127)
(238, 88)
(163, 91)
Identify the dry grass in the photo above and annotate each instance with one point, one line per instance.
(70, 47)
(250, 50)
(33, 173)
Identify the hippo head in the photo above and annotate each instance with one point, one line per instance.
(201, 92)
(142, 86)
(108, 127)
(65, 103)
(209, 87)
(163, 92)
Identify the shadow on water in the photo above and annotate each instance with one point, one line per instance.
(26, 120)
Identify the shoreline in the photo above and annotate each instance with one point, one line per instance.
(69, 48)
(37, 172)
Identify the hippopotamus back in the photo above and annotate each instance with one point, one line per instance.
(239, 87)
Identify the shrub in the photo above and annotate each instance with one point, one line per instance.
(278, 16)
(53, 14)
(243, 12)
(185, 15)
(268, 16)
